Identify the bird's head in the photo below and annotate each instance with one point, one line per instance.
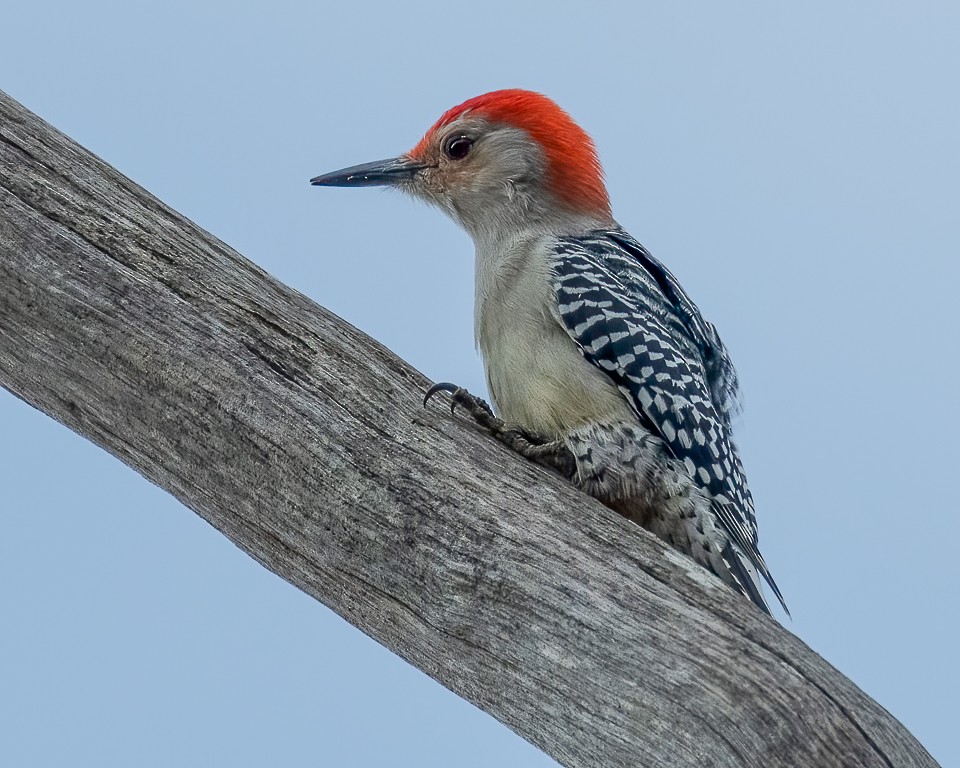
(508, 159)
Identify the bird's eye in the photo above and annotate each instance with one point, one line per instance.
(458, 147)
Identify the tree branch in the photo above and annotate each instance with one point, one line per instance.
(305, 443)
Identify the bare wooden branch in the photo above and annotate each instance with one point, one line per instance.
(305, 443)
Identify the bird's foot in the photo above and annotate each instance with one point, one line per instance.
(479, 410)
(552, 454)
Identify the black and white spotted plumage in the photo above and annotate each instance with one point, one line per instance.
(630, 318)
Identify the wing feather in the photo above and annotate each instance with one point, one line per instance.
(631, 318)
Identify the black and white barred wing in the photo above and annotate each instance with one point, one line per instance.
(721, 375)
(625, 322)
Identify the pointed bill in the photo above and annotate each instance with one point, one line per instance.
(377, 174)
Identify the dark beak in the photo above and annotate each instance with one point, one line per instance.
(378, 174)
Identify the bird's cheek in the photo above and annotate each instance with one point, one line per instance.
(431, 189)
(433, 182)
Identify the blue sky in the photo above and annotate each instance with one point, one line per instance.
(796, 167)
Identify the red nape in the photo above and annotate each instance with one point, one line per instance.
(576, 177)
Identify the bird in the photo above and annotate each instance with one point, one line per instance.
(598, 363)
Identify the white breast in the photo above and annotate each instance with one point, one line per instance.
(536, 374)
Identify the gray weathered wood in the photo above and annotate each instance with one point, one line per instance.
(304, 442)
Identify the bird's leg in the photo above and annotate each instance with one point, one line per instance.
(553, 454)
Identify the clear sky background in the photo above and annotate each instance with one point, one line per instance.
(795, 165)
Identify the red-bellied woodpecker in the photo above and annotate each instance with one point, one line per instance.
(598, 363)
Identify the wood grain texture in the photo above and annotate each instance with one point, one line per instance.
(304, 442)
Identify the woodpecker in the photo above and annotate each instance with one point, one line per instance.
(598, 363)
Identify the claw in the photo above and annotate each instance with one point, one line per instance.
(551, 454)
(443, 386)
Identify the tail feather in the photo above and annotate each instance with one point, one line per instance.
(746, 574)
